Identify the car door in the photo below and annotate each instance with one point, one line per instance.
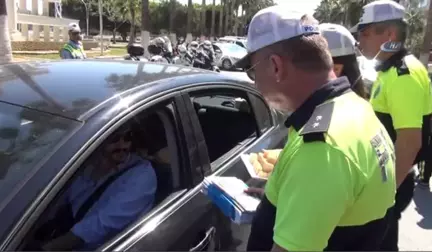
(182, 222)
(170, 224)
(265, 133)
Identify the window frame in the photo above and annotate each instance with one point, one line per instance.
(241, 146)
(262, 130)
(33, 213)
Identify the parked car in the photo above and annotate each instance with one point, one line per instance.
(240, 41)
(227, 54)
(55, 115)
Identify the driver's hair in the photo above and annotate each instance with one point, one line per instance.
(308, 52)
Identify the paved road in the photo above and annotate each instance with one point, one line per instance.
(415, 231)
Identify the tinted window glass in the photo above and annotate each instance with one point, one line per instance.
(26, 137)
(226, 120)
(262, 113)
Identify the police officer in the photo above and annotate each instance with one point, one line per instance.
(334, 181)
(401, 96)
(342, 46)
(74, 48)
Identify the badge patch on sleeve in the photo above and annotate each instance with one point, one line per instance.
(383, 152)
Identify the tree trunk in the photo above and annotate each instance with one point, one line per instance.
(203, 18)
(212, 30)
(221, 13)
(133, 17)
(227, 15)
(172, 16)
(87, 20)
(189, 22)
(425, 53)
(114, 33)
(145, 25)
(5, 41)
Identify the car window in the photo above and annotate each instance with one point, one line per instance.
(233, 48)
(134, 169)
(26, 137)
(262, 113)
(226, 119)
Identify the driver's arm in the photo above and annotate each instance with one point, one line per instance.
(134, 197)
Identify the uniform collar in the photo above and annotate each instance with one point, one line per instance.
(75, 44)
(394, 61)
(330, 90)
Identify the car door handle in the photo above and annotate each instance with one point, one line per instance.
(209, 235)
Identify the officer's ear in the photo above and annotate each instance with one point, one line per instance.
(277, 66)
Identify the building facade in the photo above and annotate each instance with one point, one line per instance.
(35, 23)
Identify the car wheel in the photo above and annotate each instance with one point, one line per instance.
(226, 64)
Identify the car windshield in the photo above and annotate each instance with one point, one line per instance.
(26, 138)
(233, 48)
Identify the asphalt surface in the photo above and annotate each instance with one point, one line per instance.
(415, 229)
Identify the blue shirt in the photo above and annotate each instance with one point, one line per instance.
(65, 54)
(129, 196)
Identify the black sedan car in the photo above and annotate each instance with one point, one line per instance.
(189, 123)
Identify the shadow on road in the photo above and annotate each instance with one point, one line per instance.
(423, 202)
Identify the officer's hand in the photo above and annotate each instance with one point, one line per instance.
(255, 192)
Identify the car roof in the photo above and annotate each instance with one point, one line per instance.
(71, 88)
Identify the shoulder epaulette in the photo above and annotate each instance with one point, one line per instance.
(318, 123)
(402, 68)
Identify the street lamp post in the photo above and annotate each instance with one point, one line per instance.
(87, 17)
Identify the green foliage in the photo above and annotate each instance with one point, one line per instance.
(118, 14)
(344, 12)
(416, 18)
(348, 12)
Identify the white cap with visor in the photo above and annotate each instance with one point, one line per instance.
(271, 25)
(339, 39)
(379, 11)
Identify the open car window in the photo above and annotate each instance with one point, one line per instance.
(226, 120)
(122, 180)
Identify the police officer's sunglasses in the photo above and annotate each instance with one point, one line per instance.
(250, 72)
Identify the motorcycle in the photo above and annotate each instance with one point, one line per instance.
(203, 60)
(135, 51)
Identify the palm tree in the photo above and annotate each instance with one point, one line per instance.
(212, 30)
(172, 15)
(133, 24)
(145, 25)
(227, 15)
(221, 12)
(203, 18)
(5, 41)
(189, 22)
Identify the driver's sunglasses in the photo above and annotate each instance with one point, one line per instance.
(75, 33)
(126, 136)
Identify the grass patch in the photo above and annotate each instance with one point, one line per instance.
(55, 56)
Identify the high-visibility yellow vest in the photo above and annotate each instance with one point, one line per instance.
(75, 52)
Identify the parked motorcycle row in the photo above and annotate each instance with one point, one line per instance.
(160, 50)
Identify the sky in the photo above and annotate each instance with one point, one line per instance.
(305, 5)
